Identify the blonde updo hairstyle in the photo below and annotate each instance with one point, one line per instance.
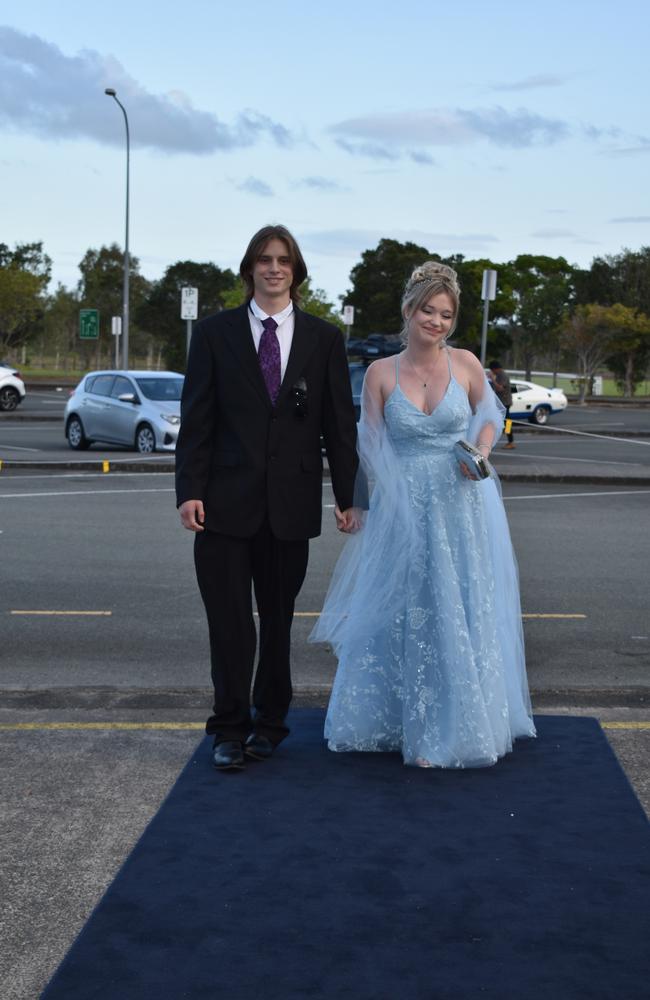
(429, 279)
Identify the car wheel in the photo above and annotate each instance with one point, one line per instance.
(75, 435)
(9, 398)
(540, 415)
(145, 440)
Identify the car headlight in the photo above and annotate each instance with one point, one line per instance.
(171, 418)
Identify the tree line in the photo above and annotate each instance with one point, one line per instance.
(547, 312)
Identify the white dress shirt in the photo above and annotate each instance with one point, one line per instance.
(284, 332)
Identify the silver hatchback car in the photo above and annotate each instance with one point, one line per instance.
(138, 409)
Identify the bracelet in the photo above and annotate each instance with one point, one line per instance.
(479, 446)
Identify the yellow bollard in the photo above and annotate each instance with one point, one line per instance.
(508, 427)
(106, 466)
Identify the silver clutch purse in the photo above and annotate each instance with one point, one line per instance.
(473, 459)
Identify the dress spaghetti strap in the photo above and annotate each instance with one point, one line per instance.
(396, 370)
(448, 350)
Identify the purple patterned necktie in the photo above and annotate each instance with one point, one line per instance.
(269, 355)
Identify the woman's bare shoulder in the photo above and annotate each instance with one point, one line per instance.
(465, 359)
(381, 370)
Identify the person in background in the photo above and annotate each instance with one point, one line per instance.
(500, 382)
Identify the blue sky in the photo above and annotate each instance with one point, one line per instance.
(483, 129)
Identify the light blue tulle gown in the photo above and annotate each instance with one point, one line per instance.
(423, 610)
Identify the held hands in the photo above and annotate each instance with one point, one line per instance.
(192, 515)
(350, 520)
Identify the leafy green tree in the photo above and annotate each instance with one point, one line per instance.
(24, 276)
(315, 301)
(61, 330)
(470, 315)
(100, 287)
(622, 278)
(589, 334)
(21, 306)
(235, 296)
(631, 347)
(378, 285)
(159, 312)
(28, 257)
(543, 290)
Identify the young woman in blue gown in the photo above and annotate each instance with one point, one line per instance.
(423, 610)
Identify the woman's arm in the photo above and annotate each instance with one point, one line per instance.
(478, 386)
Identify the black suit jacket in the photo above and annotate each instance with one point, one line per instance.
(246, 459)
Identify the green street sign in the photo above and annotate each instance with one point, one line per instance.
(89, 324)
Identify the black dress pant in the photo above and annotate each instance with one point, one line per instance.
(225, 569)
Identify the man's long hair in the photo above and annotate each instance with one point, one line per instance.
(256, 247)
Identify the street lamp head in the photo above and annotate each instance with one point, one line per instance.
(110, 92)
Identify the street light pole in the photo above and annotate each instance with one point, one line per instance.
(125, 293)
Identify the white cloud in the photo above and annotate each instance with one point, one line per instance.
(553, 234)
(347, 242)
(632, 218)
(49, 94)
(379, 135)
(253, 185)
(533, 82)
(324, 184)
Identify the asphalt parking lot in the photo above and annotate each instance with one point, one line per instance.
(103, 679)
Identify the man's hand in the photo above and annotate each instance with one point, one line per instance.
(349, 520)
(192, 515)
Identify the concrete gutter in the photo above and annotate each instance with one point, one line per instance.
(540, 474)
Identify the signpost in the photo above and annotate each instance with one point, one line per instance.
(348, 319)
(89, 324)
(189, 310)
(488, 294)
(116, 330)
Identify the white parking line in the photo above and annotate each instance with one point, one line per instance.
(15, 447)
(80, 493)
(555, 496)
(563, 458)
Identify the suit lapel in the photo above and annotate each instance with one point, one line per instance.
(240, 341)
(303, 345)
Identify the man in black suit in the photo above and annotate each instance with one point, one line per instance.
(263, 382)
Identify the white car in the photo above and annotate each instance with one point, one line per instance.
(12, 388)
(535, 402)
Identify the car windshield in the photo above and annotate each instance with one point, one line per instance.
(167, 389)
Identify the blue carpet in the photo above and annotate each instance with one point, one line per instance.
(350, 876)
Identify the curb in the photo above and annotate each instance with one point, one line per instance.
(150, 699)
(85, 465)
(157, 465)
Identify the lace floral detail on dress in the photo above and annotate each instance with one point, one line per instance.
(443, 680)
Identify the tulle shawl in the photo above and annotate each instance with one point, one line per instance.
(367, 586)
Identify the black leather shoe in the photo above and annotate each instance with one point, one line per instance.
(228, 756)
(258, 747)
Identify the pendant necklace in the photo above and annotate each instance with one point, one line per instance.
(424, 384)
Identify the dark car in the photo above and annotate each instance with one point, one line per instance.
(375, 345)
(357, 374)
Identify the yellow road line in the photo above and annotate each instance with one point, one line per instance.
(297, 614)
(50, 613)
(552, 616)
(100, 725)
(315, 614)
(625, 725)
(81, 726)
